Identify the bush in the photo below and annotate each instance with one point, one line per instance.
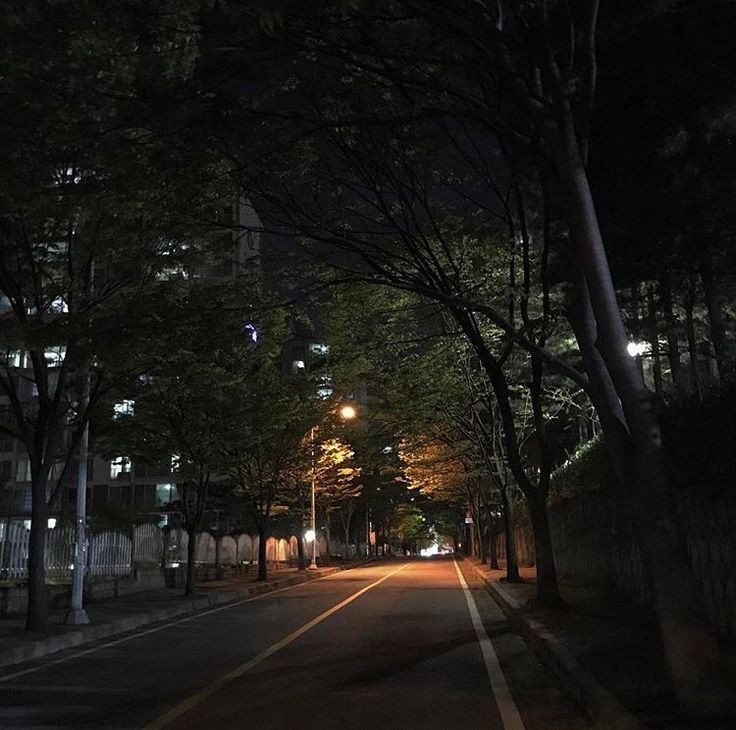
(584, 471)
(700, 438)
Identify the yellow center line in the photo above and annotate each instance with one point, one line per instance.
(199, 697)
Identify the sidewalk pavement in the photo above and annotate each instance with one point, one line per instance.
(605, 650)
(114, 616)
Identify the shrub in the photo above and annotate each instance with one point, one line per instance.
(584, 471)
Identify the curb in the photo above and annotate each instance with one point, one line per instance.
(71, 639)
(600, 704)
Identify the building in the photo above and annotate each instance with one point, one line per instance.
(116, 486)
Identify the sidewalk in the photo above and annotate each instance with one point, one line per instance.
(605, 650)
(118, 615)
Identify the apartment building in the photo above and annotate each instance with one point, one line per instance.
(117, 485)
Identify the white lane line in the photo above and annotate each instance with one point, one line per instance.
(507, 708)
(191, 702)
(156, 629)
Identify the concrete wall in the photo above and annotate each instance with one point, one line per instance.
(594, 544)
(13, 599)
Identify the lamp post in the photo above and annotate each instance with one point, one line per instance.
(347, 413)
(77, 615)
(313, 530)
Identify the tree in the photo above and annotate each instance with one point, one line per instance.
(523, 78)
(411, 527)
(297, 490)
(93, 205)
(188, 400)
(430, 375)
(265, 452)
(336, 484)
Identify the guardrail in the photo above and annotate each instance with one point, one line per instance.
(115, 553)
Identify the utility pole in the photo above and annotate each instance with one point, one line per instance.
(313, 565)
(77, 614)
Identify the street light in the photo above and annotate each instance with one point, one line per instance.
(313, 530)
(347, 413)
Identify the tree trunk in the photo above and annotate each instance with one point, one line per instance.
(262, 568)
(480, 546)
(500, 387)
(301, 560)
(166, 547)
(690, 650)
(328, 537)
(692, 343)
(191, 560)
(654, 342)
(512, 561)
(714, 303)
(547, 589)
(37, 615)
(673, 347)
(346, 528)
(218, 550)
(493, 551)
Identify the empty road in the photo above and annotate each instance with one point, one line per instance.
(402, 644)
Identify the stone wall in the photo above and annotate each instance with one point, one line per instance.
(708, 517)
(594, 544)
(14, 598)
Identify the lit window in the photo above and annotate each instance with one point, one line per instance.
(17, 359)
(59, 305)
(23, 471)
(67, 174)
(55, 356)
(172, 272)
(119, 465)
(251, 332)
(123, 408)
(165, 494)
(324, 387)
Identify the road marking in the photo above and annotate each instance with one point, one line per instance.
(195, 615)
(507, 708)
(190, 703)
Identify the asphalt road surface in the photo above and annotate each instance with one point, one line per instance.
(401, 644)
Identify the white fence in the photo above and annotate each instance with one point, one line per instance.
(116, 553)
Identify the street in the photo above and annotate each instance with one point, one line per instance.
(398, 644)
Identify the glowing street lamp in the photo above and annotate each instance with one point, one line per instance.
(348, 412)
(310, 535)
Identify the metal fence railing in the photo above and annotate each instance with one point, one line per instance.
(113, 553)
